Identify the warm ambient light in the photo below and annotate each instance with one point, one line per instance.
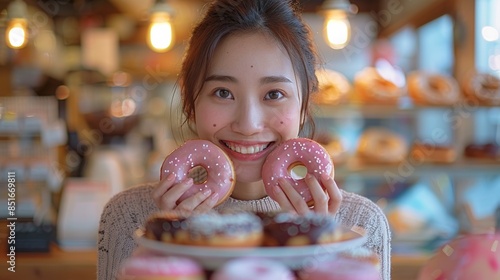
(16, 35)
(160, 33)
(337, 29)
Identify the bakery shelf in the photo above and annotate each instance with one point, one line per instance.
(407, 169)
(389, 111)
(27, 125)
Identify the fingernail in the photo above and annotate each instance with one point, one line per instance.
(207, 192)
(325, 177)
(170, 176)
(188, 181)
(309, 176)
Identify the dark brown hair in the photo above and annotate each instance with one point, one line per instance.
(279, 18)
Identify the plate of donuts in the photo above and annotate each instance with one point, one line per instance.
(295, 257)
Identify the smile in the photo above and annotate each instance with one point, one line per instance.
(247, 149)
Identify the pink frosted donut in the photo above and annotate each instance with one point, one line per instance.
(217, 169)
(252, 269)
(474, 256)
(340, 269)
(150, 267)
(292, 153)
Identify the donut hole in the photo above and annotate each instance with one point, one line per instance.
(199, 174)
(297, 171)
(437, 84)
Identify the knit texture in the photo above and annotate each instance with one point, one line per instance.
(128, 210)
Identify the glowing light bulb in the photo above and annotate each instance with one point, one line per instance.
(16, 35)
(337, 29)
(160, 35)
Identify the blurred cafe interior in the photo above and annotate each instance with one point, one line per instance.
(89, 106)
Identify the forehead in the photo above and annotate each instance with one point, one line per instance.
(251, 49)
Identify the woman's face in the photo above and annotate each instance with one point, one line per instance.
(250, 101)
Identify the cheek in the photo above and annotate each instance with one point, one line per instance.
(206, 121)
(287, 122)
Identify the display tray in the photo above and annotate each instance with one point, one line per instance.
(294, 257)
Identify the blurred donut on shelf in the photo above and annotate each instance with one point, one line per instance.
(373, 88)
(433, 89)
(482, 151)
(333, 87)
(483, 88)
(379, 145)
(431, 153)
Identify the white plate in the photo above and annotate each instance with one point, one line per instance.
(293, 257)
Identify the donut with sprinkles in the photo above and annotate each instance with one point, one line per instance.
(207, 164)
(290, 154)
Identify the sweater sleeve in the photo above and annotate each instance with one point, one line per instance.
(365, 217)
(121, 217)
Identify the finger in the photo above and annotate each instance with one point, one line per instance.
(333, 192)
(297, 201)
(208, 204)
(190, 203)
(318, 194)
(162, 188)
(282, 199)
(169, 199)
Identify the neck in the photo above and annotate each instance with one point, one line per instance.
(249, 191)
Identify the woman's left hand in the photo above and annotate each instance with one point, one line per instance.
(326, 195)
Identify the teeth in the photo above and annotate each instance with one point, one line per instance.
(247, 149)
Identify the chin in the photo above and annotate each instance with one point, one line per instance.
(246, 174)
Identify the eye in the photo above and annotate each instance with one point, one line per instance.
(274, 95)
(224, 93)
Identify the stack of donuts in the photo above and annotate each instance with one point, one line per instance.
(246, 230)
(242, 229)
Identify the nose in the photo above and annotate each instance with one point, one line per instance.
(249, 118)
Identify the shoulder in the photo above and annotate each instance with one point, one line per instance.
(352, 200)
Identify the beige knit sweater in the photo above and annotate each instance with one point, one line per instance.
(128, 211)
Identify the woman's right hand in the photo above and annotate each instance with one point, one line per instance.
(167, 194)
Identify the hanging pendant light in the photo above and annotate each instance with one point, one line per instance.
(16, 35)
(337, 28)
(160, 32)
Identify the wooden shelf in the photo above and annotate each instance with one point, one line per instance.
(407, 170)
(56, 264)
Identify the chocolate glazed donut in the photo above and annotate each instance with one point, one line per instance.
(287, 229)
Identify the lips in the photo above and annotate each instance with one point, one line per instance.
(253, 149)
(247, 151)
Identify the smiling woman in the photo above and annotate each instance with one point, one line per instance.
(245, 83)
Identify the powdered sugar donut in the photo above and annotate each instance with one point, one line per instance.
(253, 268)
(214, 229)
(292, 153)
(150, 267)
(213, 169)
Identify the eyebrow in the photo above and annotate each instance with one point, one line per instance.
(264, 80)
